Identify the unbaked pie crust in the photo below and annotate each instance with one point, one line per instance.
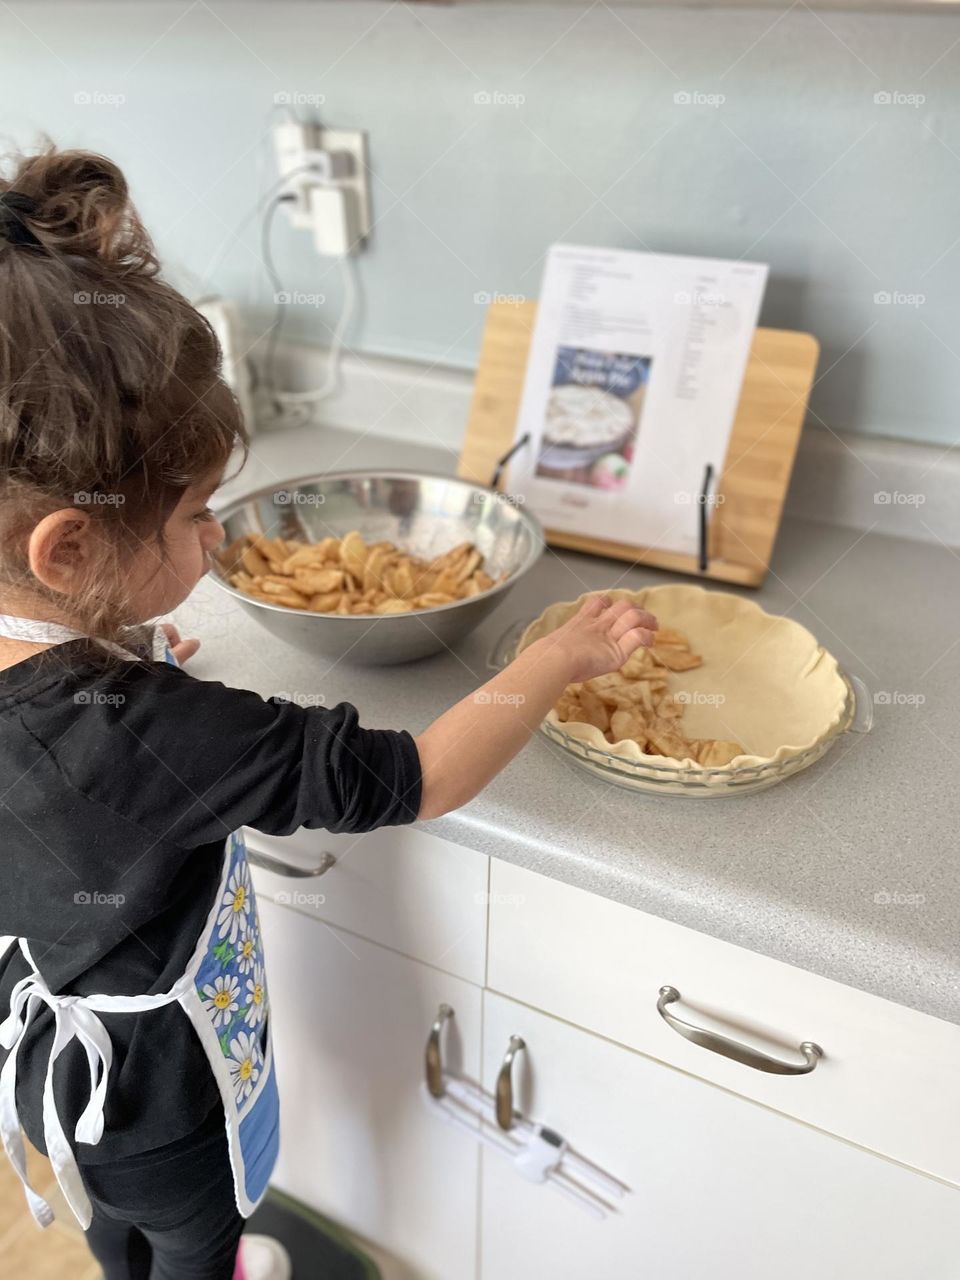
(765, 681)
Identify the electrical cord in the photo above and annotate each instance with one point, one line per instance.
(332, 377)
(279, 310)
(266, 206)
(261, 203)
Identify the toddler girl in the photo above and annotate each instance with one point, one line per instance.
(132, 984)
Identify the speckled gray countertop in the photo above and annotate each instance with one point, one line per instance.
(850, 869)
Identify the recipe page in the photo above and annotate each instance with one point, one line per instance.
(631, 390)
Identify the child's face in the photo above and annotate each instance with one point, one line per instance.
(162, 577)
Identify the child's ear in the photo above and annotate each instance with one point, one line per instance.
(61, 549)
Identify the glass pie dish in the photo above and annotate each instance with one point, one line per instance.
(835, 702)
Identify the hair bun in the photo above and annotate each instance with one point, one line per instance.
(82, 207)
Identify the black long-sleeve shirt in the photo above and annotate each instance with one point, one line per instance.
(119, 784)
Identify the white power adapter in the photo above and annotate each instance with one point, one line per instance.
(326, 191)
(334, 217)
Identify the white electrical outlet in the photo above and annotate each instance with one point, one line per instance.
(294, 143)
(353, 142)
(328, 178)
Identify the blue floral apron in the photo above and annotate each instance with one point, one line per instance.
(222, 991)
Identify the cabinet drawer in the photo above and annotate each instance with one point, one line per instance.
(397, 886)
(718, 1189)
(888, 1078)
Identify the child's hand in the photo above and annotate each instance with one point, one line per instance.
(181, 649)
(601, 636)
(469, 744)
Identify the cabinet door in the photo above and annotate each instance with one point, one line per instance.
(350, 1022)
(720, 1187)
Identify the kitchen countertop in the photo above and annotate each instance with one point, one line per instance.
(849, 869)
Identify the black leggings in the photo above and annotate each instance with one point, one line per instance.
(168, 1214)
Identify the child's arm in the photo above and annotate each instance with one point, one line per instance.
(469, 744)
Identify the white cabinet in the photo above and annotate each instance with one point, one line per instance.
(350, 1022)
(398, 886)
(888, 1080)
(720, 1187)
(735, 1174)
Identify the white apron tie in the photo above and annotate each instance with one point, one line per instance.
(55, 633)
(75, 1018)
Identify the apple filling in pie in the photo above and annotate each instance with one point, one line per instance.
(637, 703)
(725, 687)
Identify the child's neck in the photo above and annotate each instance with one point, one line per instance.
(37, 609)
(14, 651)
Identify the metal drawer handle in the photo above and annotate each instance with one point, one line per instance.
(257, 858)
(433, 1057)
(749, 1056)
(504, 1098)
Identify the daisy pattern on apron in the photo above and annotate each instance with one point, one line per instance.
(229, 1009)
(231, 981)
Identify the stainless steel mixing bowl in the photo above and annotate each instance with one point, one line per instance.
(423, 514)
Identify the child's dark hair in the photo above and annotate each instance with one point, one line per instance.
(110, 387)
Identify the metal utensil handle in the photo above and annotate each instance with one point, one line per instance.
(505, 1083)
(433, 1057)
(743, 1053)
(257, 858)
(502, 461)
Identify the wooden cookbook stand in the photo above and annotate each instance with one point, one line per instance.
(739, 532)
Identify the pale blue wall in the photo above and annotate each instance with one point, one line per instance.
(798, 167)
